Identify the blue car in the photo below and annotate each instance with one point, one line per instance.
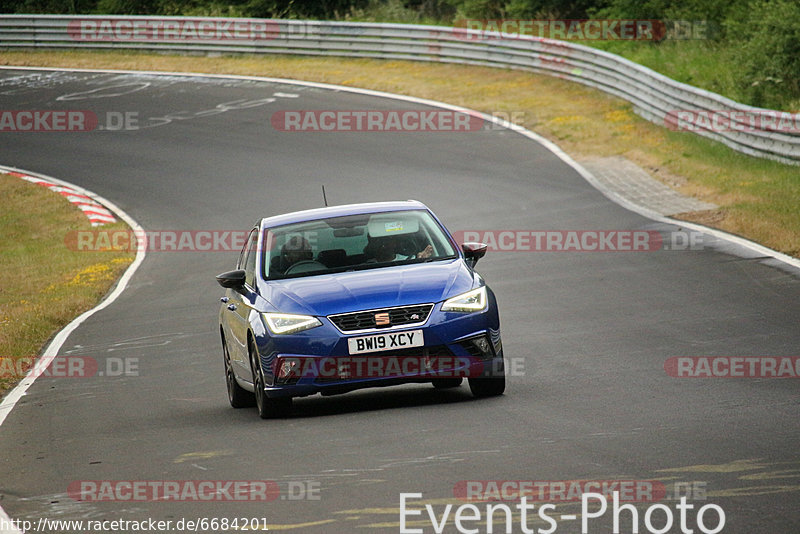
(341, 298)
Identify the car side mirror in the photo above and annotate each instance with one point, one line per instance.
(473, 252)
(231, 279)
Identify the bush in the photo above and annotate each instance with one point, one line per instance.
(302, 9)
(128, 7)
(767, 40)
(708, 10)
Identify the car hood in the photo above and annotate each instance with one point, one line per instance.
(371, 288)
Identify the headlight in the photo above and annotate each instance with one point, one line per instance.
(471, 301)
(286, 323)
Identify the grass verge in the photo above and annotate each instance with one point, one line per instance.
(758, 198)
(711, 65)
(46, 284)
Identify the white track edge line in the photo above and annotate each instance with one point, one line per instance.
(11, 399)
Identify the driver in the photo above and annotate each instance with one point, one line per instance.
(385, 249)
(295, 250)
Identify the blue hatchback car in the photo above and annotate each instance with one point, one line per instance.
(341, 298)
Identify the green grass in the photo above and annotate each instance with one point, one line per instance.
(705, 64)
(711, 65)
(45, 284)
(759, 198)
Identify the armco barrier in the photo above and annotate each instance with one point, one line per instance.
(655, 97)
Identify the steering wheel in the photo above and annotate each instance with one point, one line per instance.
(305, 266)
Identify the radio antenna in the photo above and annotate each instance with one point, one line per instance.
(324, 196)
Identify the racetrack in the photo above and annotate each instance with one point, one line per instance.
(592, 330)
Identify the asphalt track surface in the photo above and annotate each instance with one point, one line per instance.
(592, 330)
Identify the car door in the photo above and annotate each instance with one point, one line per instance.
(240, 304)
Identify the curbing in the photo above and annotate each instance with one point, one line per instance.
(97, 214)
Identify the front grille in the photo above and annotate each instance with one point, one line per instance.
(365, 320)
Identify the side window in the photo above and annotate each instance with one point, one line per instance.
(242, 255)
(250, 254)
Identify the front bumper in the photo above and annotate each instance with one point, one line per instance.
(318, 360)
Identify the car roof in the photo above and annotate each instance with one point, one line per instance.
(339, 211)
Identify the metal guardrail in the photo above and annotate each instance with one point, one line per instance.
(754, 131)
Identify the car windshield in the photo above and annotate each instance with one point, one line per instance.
(354, 242)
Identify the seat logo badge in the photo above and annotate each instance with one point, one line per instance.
(382, 319)
(415, 316)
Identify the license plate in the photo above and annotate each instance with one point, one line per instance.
(381, 342)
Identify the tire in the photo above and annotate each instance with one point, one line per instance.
(447, 383)
(237, 395)
(267, 408)
(492, 384)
